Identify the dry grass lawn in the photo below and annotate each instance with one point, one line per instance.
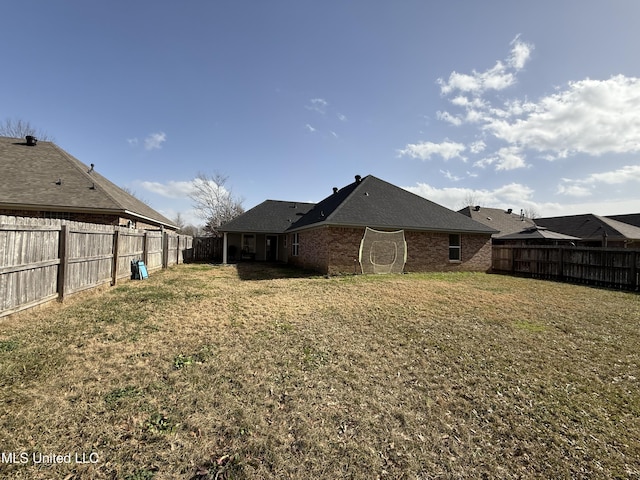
(205, 372)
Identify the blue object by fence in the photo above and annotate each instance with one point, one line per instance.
(139, 270)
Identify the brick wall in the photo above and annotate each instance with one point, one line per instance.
(334, 250)
(429, 251)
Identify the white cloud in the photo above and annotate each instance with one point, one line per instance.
(584, 187)
(447, 117)
(520, 53)
(154, 141)
(171, 189)
(506, 158)
(589, 116)
(508, 196)
(318, 105)
(477, 146)
(573, 190)
(499, 77)
(341, 117)
(425, 150)
(132, 141)
(450, 176)
(309, 128)
(629, 173)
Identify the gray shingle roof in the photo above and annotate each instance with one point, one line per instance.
(271, 216)
(374, 203)
(46, 177)
(537, 233)
(591, 226)
(502, 220)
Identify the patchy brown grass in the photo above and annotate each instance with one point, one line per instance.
(205, 372)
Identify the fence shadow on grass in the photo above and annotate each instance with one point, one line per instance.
(270, 271)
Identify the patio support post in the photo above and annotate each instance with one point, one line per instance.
(224, 248)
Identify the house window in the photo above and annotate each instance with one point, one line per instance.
(295, 244)
(248, 244)
(454, 247)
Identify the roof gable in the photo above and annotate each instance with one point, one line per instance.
(271, 216)
(375, 203)
(45, 176)
(505, 221)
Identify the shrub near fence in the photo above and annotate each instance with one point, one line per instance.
(43, 259)
(607, 267)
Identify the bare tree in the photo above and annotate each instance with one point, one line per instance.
(470, 200)
(20, 129)
(179, 221)
(531, 212)
(214, 202)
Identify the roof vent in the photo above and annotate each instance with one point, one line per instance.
(335, 189)
(476, 208)
(31, 140)
(91, 169)
(93, 186)
(509, 211)
(358, 178)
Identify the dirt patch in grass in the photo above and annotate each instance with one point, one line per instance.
(204, 372)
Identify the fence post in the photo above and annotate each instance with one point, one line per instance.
(165, 250)
(114, 267)
(178, 249)
(145, 248)
(634, 270)
(64, 259)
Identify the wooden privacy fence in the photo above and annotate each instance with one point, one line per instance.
(607, 267)
(40, 262)
(206, 249)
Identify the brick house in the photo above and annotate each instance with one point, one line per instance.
(328, 236)
(41, 180)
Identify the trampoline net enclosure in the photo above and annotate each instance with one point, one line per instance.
(382, 252)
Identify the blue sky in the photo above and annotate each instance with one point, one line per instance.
(532, 105)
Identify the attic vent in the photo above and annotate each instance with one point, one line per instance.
(91, 169)
(31, 140)
(476, 208)
(358, 178)
(510, 211)
(335, 189)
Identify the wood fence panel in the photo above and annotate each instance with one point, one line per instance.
(172, 248)
(206, 249)
(154, 250)
(45, 259)
(130, 248)
(28, 266)
(89, 259)
(609, 267)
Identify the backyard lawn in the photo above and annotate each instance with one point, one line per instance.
(257, 371)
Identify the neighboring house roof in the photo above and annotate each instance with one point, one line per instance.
(537, 232)
(368, 201)
(375, 203)
(630, 218)
(591, 227)
(45, 177)
(505, 221)
(271, 216)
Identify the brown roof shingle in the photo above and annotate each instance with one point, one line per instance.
(45, 176)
